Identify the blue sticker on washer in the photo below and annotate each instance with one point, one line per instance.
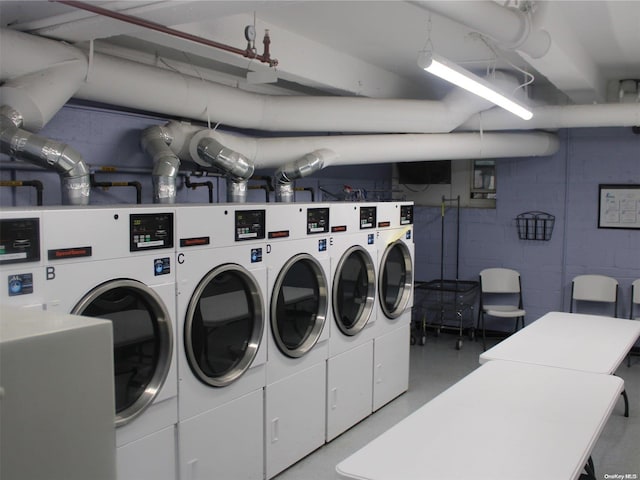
(20, 284)
(408, 235)
(162, 266)
(256, 255)
(322, 245)
(370, 239)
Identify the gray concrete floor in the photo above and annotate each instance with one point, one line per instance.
(438, 365)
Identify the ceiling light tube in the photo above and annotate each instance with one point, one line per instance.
(457, 75)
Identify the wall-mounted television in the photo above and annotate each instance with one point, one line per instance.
(437, 172)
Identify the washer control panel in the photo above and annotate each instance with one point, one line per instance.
(150, 231)
(406, 215)
(317, 220)
(19, 240)
(249, 225)
(367, 217)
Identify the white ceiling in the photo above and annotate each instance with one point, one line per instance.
(366, 48)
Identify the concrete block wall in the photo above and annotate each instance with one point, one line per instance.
(564, 185)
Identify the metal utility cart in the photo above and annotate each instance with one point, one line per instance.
(445, 303)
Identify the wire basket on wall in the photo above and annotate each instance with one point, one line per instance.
(535, 225)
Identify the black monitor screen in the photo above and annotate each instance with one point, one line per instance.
(425, 173)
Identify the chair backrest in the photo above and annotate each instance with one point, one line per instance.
(634, 311)
(595, 288)
(499, 280)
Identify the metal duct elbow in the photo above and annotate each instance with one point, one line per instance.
(46, 153)
(155, 141)
(234, 165)
(303, 167)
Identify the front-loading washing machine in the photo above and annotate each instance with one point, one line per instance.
(221, 286)
(353, 275)
(21, 258)
(395, 299)
(298, 264)
(116, 263)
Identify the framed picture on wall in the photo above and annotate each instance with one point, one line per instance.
(619, 206)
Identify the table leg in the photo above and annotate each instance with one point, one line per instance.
(626, 403)
(590, 471)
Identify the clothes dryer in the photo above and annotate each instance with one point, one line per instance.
(353, 274)
(298, 287)
(21, 273)
(221, 284)
(116, 263)
(395, 299)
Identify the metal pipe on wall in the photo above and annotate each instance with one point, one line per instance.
(74, 174)
(303, 167)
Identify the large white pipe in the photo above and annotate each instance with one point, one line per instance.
(364, 150)
(117, 81)
(22, 53)
(39, 76)
(568, 116)
(122, 82)
(509, 27)
(39, 95)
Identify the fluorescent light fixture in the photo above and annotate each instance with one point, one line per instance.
(457, 75)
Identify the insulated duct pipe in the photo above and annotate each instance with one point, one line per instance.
(74, 174)
(126, 83)
(166, 164)
(238, 168)
(39, 95)
(134, 85)
(166, 145)
(364, 150)
(568, 116)
(303, 167)
(39, 75)
(509, 27)
(122, 82)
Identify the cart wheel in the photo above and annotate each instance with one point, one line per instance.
(472, 334)
(437, 332)
(459, 344)
(423, 340)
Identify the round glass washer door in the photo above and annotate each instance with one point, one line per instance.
(395, 279)
(224, 325)
(354, 289)
(299, 305)
(142, 341)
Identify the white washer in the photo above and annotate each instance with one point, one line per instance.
(298, 275)
(395, 299)
(116, 263)
(222, 281)
(21, 256)
(353, 275)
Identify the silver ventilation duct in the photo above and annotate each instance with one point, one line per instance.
(234, 165)
(46, 153)
(305, 166)
(155, 141)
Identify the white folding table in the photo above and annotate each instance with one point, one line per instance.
(589, 343)
(504, 420)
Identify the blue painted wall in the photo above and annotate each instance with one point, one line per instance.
(564, 185)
